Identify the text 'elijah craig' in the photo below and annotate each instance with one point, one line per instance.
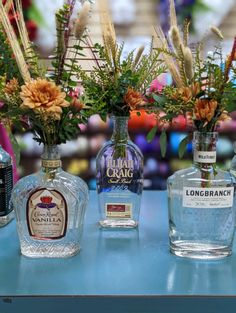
(120, 169)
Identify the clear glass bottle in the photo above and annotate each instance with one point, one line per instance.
(50, 207)
(233, 163)
(119, 179)
(6, 185)
(200, 201)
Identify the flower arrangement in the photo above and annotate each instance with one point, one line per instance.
(204, 88)
(42, 97)
(117, 85)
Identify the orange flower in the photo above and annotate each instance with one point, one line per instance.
(205, 109)
(12, 87)
(77, 104)
(187, 93)
(44, 97)
(133, 99)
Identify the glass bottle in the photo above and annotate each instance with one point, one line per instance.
(233, 163)
(6, 185)
(50, 207)
(119, 179)
(200, 201)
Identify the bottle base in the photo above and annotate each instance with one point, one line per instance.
(120, 224)
(50, 251)
(4, 220)
(198, 250)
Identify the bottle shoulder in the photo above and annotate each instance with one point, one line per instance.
(109, 147)
(194, 175)
(63, 181)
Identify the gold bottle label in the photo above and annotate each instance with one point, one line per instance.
(47, 214)
(51, 163)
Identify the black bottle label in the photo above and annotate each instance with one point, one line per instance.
(6, 185)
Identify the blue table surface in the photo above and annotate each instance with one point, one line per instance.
(135, 262)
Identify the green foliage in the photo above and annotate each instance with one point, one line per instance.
(209, 83)
(108, 83)
(8, 65)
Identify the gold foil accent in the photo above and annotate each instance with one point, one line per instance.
(51, 163)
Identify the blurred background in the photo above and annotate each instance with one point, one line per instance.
(133, 21)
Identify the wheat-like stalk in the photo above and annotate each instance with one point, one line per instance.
(138, 56)
(108, 30)
(8, 5)
(18, 54)
(23, 30)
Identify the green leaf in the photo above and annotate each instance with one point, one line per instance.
(151, 134)
(163, 143)
(182, 146)
(161, 100)
(35, 15)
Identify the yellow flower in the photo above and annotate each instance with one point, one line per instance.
(43, 97)
(133, 99)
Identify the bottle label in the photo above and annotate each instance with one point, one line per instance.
(47, 214)
(6, 185)
(204, 156)
(208, 197)
(119, 210)
(120, 171)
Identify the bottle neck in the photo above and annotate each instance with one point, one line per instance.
(120, 129)
(204, 148)
(51, 159)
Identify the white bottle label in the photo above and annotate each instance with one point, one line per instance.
(208, 197)
(204, 156)
(47, 214)
(118, 210)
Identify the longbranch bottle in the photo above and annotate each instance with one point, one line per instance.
(201, 214)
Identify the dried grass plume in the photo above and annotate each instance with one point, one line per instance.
(217, 32)
(82, 20)
(188, 63)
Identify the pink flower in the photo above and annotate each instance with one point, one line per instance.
(76, 92)
(156, 86)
